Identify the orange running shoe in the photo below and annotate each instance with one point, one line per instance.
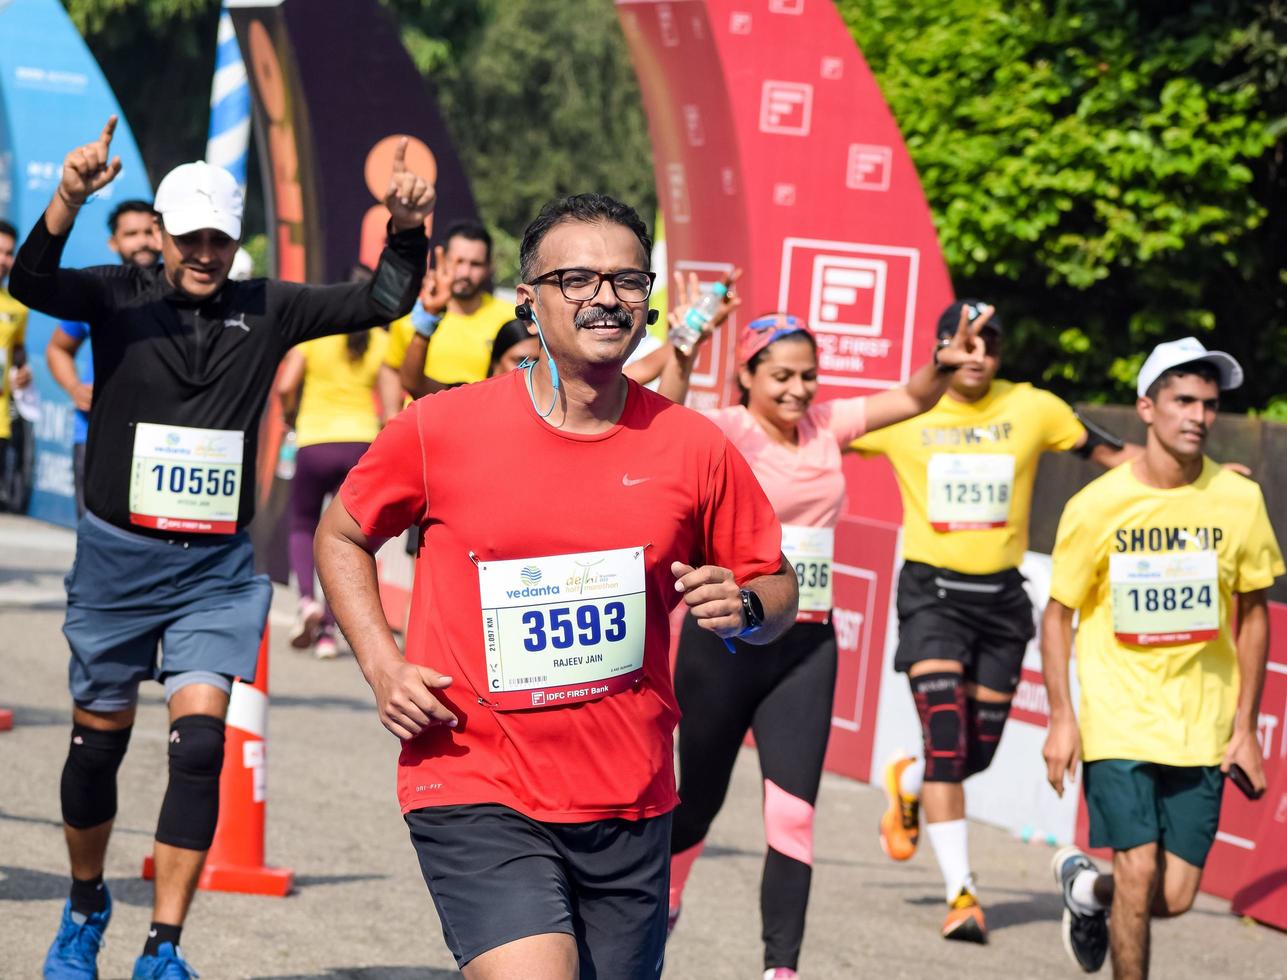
(900, 825)
(964, 920)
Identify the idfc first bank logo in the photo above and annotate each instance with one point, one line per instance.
(861, 302)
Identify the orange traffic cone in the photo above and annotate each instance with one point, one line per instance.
(235, 862)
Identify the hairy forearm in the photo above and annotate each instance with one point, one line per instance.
(62, 365)
(412, 372)
(60, 216)
(1253, 653)
(1109, 456)
(675, 376)
(779, 594)
(927, 385)
(1056, 653)
(649, 367)
(347, 573)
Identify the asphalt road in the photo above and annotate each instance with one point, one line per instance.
(360, 910)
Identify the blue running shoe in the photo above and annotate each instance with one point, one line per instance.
(74, 954)
(167, 964)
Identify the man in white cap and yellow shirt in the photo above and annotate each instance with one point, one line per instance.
(184, 360)
(1166, 559)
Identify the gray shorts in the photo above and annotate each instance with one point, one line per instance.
(126, 593)
(496, 875)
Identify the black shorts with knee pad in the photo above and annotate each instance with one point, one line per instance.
(940, 703)
(88, 789)
(983, 622)
(191, 805)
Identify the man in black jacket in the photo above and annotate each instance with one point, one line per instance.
(183, 363)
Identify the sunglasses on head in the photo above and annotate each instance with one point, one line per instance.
(782, 321)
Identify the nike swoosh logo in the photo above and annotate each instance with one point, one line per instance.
(627, 482)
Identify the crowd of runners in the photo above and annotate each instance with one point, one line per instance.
(560, 513)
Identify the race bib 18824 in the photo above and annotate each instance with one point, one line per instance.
(1165, 599)
(969, 491)
(562, 629)
(184, 479)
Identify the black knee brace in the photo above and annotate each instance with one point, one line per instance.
(88, 788)
(191, 805)
(940, 702)
(987, 720)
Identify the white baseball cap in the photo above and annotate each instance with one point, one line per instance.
(1186, 351)
(200, 195)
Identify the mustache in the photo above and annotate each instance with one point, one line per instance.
(616, 316)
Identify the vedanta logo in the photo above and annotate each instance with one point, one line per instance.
(529, 592)
(531, 574)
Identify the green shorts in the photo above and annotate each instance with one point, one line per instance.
(1135, 803)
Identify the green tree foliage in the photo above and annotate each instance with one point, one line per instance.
(539, 94)
(542, 100)
(158, 56)
(1110, 172)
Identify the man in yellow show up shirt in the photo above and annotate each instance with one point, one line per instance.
(447, 338)
(965, 470)
(1167, 560)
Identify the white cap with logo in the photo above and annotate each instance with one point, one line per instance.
(1186, 351)
(200, 195)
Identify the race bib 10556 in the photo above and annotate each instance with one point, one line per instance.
(185, 479)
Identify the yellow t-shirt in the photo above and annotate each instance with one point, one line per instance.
(965, 471)
(13, 333)
(460, 350)
(338, 403)
(1153, 573)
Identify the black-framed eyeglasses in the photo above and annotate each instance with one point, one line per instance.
(579, 285)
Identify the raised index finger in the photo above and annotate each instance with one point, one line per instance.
(105, 137)
(400, 156)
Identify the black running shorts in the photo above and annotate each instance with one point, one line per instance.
(981, 621)
(496, 875)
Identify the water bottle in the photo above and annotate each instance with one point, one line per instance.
(286, 458)
(688, 331)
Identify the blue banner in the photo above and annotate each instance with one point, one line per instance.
(53, 98)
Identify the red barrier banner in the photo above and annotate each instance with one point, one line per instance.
(1250, 837)
(861, 618)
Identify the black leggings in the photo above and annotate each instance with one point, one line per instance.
(783, 694)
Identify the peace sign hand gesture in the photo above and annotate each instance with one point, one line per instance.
(435, 288)
(89, 168)
(965, 346)
(410, 199)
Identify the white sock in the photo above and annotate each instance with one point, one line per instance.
(1083, 892)
(913, 777)
(951, 846)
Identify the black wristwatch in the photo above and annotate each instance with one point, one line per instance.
(752, 612)
(939, 365)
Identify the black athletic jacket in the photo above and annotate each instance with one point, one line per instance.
(160, 357)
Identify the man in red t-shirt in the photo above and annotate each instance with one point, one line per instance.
(564, 512)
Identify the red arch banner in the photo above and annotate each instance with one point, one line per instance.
(774, 151)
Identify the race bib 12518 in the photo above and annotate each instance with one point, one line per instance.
(969, 491)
